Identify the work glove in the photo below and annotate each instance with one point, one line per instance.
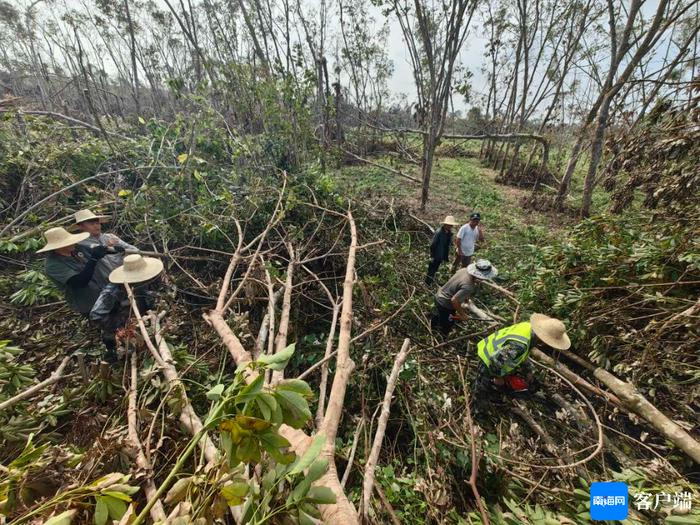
(116, 249)
(98, 252)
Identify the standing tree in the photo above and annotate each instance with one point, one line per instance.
(434, 34)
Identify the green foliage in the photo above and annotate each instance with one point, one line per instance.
(34, 288)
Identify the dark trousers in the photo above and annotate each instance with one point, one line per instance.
(441, 320)
(432, 270)
(461, 262)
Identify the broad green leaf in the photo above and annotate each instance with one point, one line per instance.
(299, 491)
(248, 450)
(116, 507)
(215, 393)
(251, 390)
(273, 443)
(117, 495)
(321, 495)
(310, 455)
(64, 518)
(304, 519)
(295, 409)
(296, 385)
(317, 469)
(253, 424)
(101, 511)
(234, 493)
(278, 360)
(310, 509)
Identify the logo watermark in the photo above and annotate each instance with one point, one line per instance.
(609, 500)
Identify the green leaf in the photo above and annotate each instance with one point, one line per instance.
(273, 443)
(101, 511)
(317, 469)
(304, 519)
(64, 518)
(215, 393)
(182, 157)
(117, 495)
(235, 493)
(296, 385)
(250, 391)
(295, 409)
(321, 495)
(124, 193)
(310, 455)
(116, 507)
(278, 360)
(248, 450)
(141, 120)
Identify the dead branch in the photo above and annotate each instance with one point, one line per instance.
(525, 415)
(583, 423)
(475, 456)
(381, 166)
(157, 511)
(353, 449)
(188, 417)
(57, 375)
(381, 428)
(281, 340)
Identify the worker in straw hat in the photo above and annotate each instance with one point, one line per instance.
(72, 267)
(457, 291)
(112, 308)
(87, 221)
(503, 353)
(440, 247)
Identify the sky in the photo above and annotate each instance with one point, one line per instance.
(471, 57)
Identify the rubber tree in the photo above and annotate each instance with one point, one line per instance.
(434, 34)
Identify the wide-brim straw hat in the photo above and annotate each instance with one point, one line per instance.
(450, 220)
(60, 238)
(88, 215)
(482, 269)
(136, 269)
(550, 331)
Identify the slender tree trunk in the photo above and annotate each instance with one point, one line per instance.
(596, 154)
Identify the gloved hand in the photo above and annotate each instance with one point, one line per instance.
(116, 249)
(98, 252)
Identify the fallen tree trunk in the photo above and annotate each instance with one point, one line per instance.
(540, 356)
(381, 428)
(637, 403)
(627, 397)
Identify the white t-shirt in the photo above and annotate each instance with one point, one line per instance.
(467, 238)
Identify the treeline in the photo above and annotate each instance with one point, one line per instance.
(314, 76)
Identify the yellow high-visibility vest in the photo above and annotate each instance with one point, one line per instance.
(488, 348)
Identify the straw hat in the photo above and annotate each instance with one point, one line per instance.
(136, 269)
(450, 220)
(551, 331)
(60, 238)
(482, 269)
(87, 215)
